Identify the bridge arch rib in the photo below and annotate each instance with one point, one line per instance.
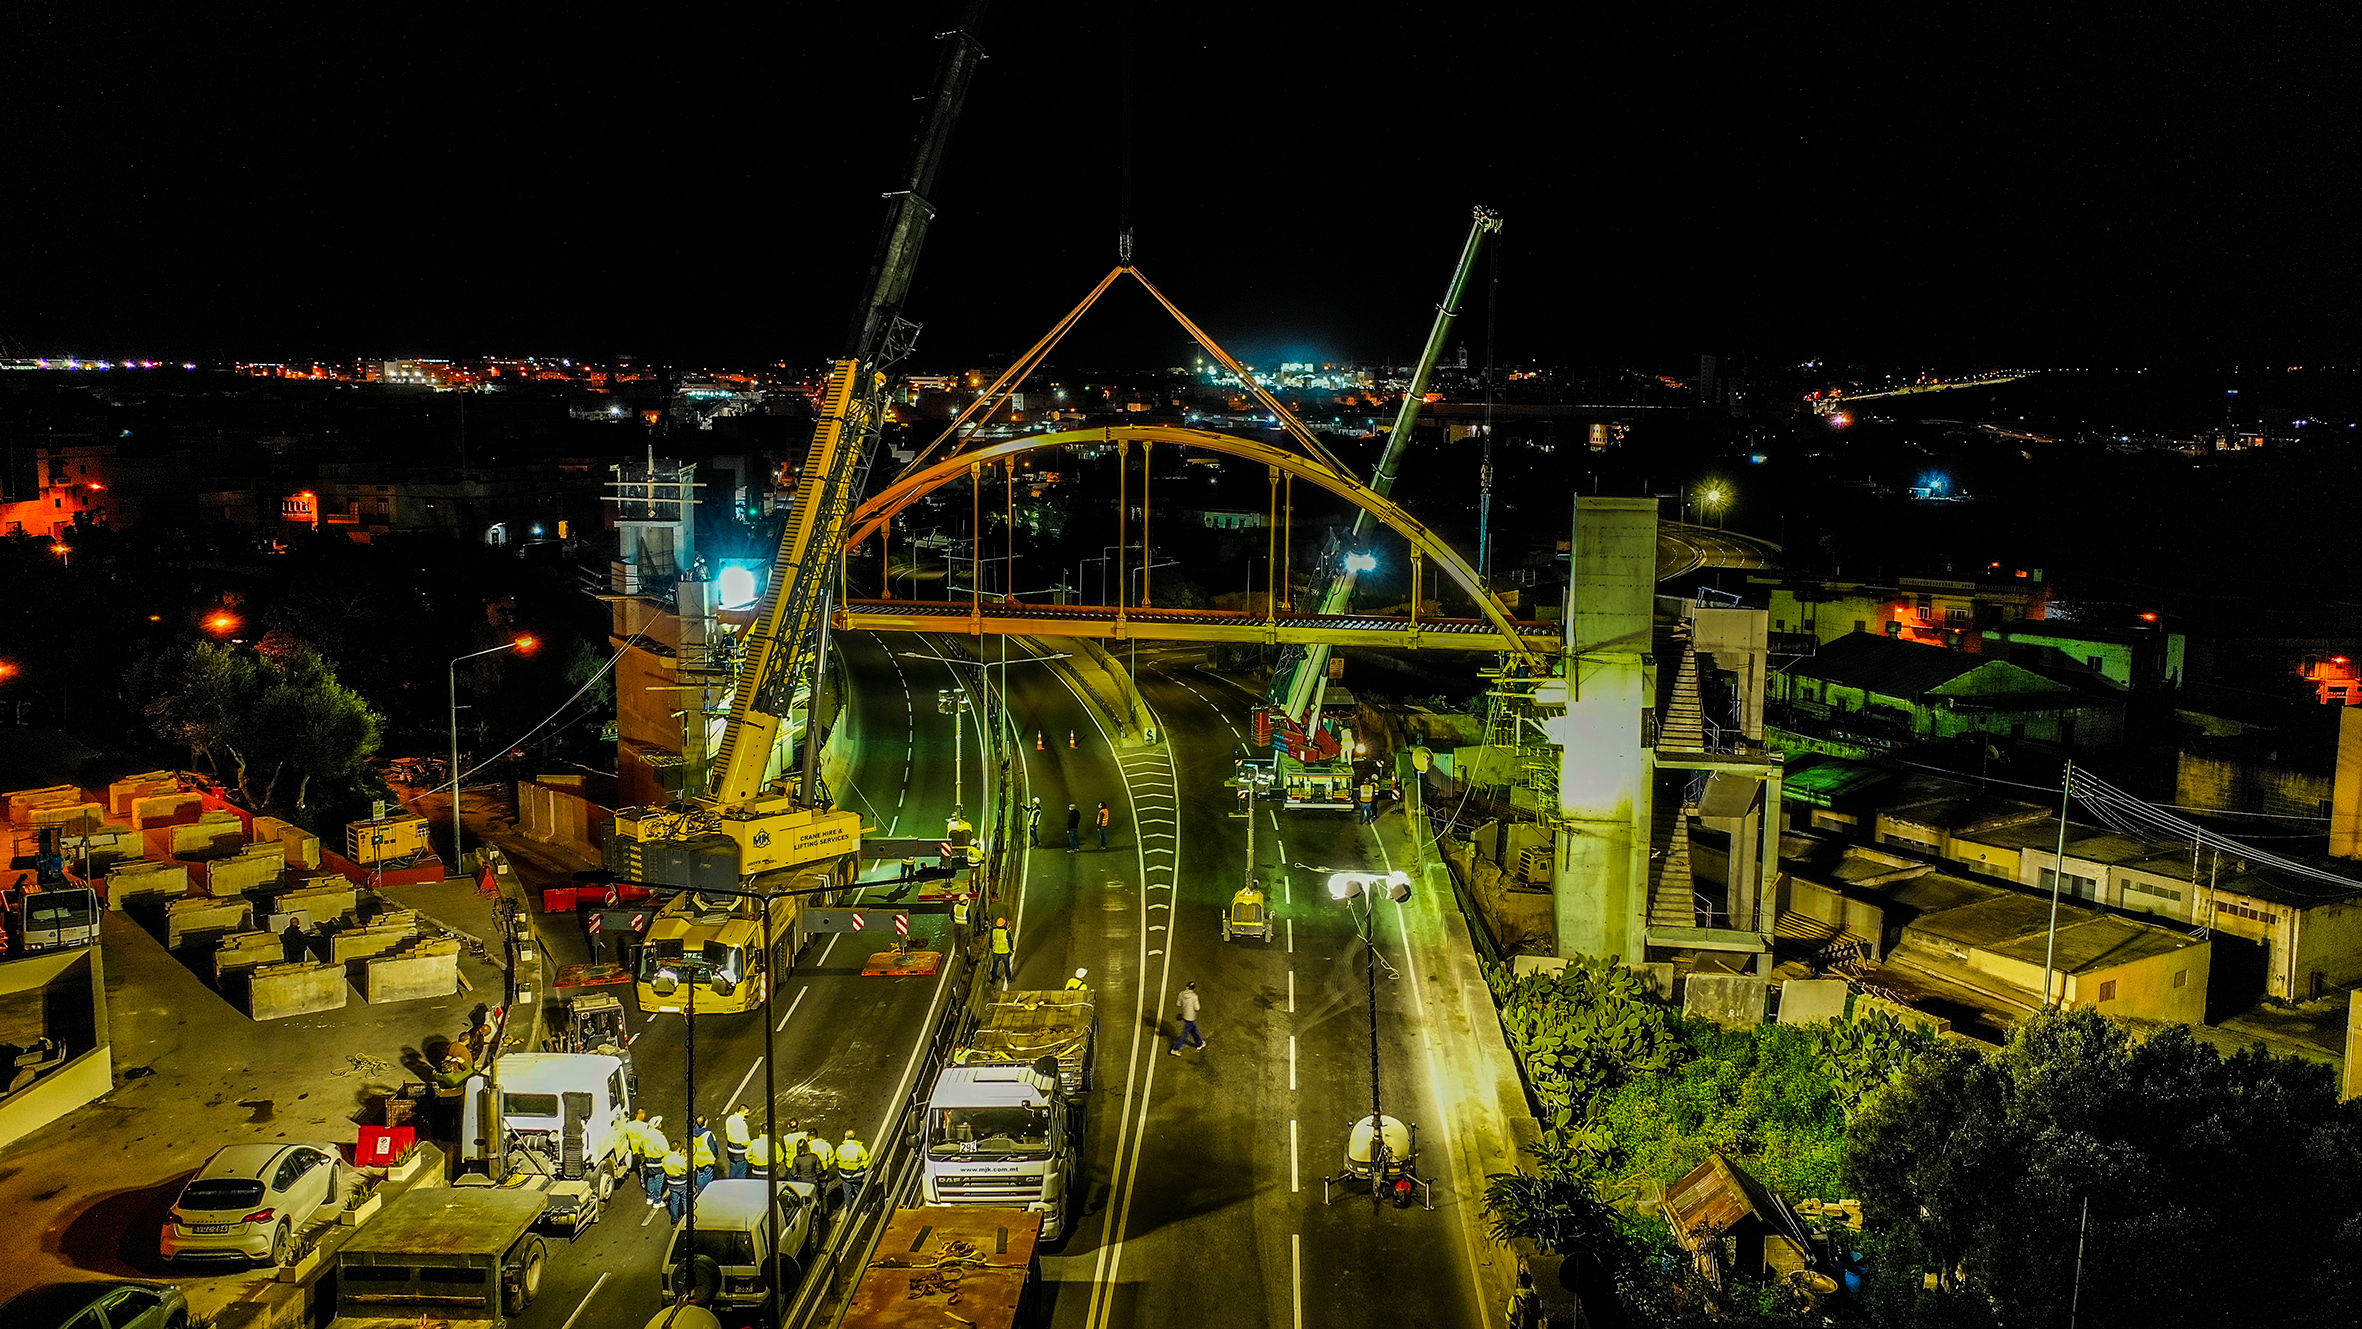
(882, 507)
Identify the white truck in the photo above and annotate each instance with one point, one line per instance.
(560, 1118)
(1005, 1120)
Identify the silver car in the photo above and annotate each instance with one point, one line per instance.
(251, 1200)
(98, 1306)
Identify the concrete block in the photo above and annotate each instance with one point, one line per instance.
(76, 816)
(213, 832)
(1733, 1001)
(21, 802)
(124, 792)
(429, 969)
(173, 809)
(323, 903)
(185, 919)
(141, 879)
(1658, 976)
(301, 847)
(247, 872)
(241, 951)
(367, 943)
(276, 991)
(1812, 1000)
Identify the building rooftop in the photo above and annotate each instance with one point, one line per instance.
(2093, 941)
(1966, 812)
(1883, 665)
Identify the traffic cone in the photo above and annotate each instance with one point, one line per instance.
(1037, 740)
(1070, 738)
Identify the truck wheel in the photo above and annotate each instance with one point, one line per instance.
(606, 1184)
(516, 1295)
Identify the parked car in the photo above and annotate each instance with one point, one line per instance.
(251, 1200)
(97, 1306)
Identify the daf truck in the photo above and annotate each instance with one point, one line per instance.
(560, 1119)
(1005, 1119)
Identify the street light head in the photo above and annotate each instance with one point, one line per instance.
(1398, 886)
(526, 644)
(1344, 886)
(221, 623)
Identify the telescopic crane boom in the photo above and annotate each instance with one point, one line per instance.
(772, 827)
(1301, 699)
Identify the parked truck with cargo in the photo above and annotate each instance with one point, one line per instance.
(941, 1268)
(1005, 1119)
(443, 1255)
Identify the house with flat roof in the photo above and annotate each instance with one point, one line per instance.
(1865, 695)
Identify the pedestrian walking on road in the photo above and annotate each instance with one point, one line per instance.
(1074, 828)
(653, 1148)
(1033, 821)
(735, 1139)
(1002, 964)
(1104, 817)
(852, 1168)
(1189, 1033)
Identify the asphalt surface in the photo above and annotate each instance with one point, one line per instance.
(1204, 1194)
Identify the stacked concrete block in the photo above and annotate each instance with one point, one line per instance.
(301, 847)
(123, 793)
(149, 811)
(74, 816)
(143, 879)
(429, 968)
(321, 904)
(21, 802)
(257, 867)
(186, 919)
(276, 991)
(243, 951)
(211, 832)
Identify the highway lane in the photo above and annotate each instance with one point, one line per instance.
(844, 1041)
(1213, 1161)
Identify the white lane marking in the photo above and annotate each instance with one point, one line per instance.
(1293, 1187)
(586, 1297)
(742, 1082)
(1291, 994)
(1296, 1254)
(791, 1006)
(1273, 813)
(1291, 936)
(653, 1211)
(1291, 1063)
(901, 796)
(1132, 1129)
(891, 825)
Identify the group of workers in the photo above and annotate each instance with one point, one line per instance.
(671, 1173)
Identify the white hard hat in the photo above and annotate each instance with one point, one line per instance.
(656, 1121)
(1082, 973)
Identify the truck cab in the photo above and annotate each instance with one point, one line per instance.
(731, 1233)
(561, 1117)
(1006, 1136)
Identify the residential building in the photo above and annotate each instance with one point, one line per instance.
(1938, 612)
(1865, 693)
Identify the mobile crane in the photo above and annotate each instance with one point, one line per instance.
(747, 831)
(1312, 763)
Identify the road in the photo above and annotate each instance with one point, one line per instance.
(844, 1041)
(1205, 1170)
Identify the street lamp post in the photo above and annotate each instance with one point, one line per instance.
(458, 851)
(1347, 887)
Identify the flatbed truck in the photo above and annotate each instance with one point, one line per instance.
(445, 1254)
(951, 1268)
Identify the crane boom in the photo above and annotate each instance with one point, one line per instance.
(1301, 698)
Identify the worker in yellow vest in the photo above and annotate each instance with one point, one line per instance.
(852, 1168)
(676, 1183)
(653, 1148)
(758, 1157)
(1001, 952)
(734, 1141)
(701, 1156)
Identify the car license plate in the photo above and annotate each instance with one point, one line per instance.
(214, 1229)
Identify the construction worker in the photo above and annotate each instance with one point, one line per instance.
(653, 1148)
(1033, 821)
(734, 1142)
(701, 1155)
(1001, 952)
(1076, 983)
(635, 1133)
(758, 1158)
(1525, 1305)
(1074, 828)
(1369, 800)
(852, 1168)
(959, 920)
(1104, 815)
(676, 1183)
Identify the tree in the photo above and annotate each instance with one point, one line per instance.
(275, 715)
(200, 697)
(2220, 1189)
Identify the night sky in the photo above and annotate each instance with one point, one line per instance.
(1948, 184)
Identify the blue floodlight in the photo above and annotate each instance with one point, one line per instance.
(1360, 563)
(739, 584)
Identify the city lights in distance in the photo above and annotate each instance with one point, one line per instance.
(7, 670)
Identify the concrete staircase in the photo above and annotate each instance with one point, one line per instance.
(1672, 901)
(1682, 727)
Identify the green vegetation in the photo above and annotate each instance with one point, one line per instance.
(2221, 1189)
(261, 718)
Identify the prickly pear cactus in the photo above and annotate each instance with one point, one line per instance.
(1580, 1033)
